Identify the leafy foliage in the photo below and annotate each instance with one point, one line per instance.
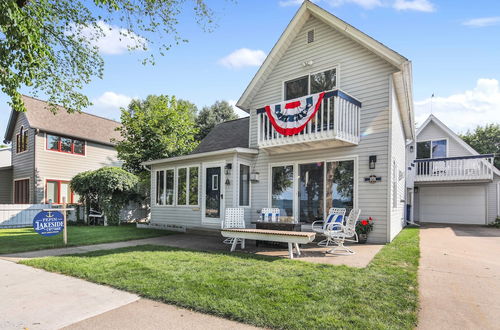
(485, 140)
(219, 112)
(154, 128)
(50, 45)
(110, 188)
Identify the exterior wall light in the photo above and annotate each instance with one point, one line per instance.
(372, 161)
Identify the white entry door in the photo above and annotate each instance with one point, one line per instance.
(453, 204)
(213, 193)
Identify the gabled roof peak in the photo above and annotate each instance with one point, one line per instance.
(304, 12)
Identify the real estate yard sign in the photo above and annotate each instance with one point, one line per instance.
(48, 223)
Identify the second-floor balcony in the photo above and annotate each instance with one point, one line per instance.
(336, 123)
(466, 168)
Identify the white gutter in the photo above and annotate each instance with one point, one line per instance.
(202, 154)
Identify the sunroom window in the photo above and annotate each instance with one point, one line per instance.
(282, 190)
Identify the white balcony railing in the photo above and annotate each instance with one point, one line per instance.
(467, 168)
(337, 118)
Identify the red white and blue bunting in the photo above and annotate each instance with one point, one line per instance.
(291, 117)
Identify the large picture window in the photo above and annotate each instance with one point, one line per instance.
(432, 149)
(340, 185)
(64, 144)
(282, 190)
(244, 183)
(310, 84)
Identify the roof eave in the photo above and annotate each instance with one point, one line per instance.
(403, 85)
(201, 155)
(10, 126)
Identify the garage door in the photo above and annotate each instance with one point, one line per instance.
(457, 204)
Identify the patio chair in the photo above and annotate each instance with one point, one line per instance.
(336, 215)
(269, 214)
(340, 233)
(234, 218)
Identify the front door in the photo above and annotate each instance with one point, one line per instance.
(213, 193)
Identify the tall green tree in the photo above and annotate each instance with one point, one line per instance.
(485, 140)
(51, 45)
(208, 117)
(157, 127)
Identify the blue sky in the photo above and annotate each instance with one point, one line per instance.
(454, 47)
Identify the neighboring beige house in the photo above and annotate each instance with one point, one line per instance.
(365, 117)
(48, 150)
(453, 182)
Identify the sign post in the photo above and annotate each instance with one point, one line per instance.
(65, 232)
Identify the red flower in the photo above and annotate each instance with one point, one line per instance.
(370, 218)
(364, 222)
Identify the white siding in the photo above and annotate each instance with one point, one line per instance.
(398, 156)
(361, 74)
(61, 166)
(434, 132)
(493, 196)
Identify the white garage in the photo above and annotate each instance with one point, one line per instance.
(463, 204)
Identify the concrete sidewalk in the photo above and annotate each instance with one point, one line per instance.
(459, 277)
(31, 298)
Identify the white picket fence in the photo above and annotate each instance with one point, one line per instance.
(21, 215)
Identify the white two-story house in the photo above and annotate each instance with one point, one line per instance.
(453, 183)
(350, 153)
(48, 150)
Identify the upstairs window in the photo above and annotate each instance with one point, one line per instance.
(432, 149)
(65, 144)
(313, 83)
(22, 140)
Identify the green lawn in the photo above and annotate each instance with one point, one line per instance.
(26, 239)
(264, 291)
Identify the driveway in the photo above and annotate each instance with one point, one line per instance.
(459, 277)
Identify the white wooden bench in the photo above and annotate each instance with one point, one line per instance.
(293, 238)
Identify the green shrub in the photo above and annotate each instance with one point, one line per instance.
(110, 188)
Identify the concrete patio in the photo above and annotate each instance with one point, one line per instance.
(211, 242)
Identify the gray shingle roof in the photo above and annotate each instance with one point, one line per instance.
(230, 134)
(78, 125)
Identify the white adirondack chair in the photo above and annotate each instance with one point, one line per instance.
(269, 214)
(234, 218)
(335, 215)
(340, 233)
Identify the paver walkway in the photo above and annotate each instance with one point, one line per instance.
(31, 298)
(459, 277)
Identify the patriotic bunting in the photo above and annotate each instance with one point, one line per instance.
(290, 117)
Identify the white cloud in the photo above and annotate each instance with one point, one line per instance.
(240, 113)
(482, 22)
(460, 112)
(108, 105)
(243, 57)
(287, 3)
(110, 39)
(366, 4)
(417, 5)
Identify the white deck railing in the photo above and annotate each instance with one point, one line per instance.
(467, 168)
(337, 118)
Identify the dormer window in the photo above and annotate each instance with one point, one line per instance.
(22, 140)
(65, 144)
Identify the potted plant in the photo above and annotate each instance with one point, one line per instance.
(363, 227)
